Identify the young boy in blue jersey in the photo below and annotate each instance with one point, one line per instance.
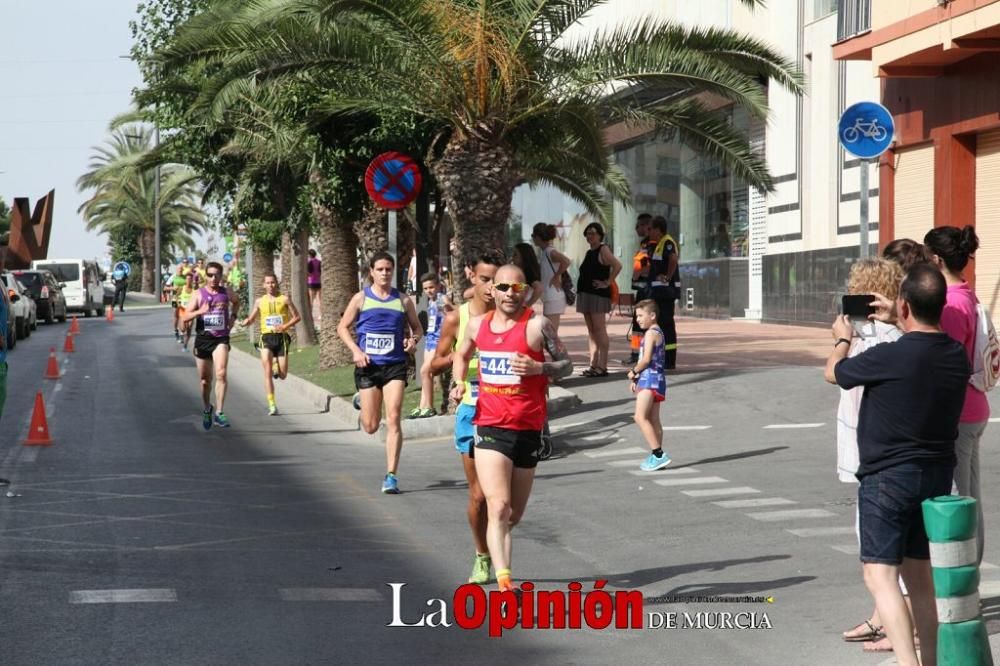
(437, 305)
(649, 383)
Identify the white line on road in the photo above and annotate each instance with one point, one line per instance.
(121, 596)
(989, 588)
(994, 420)
(851, 549)
(689, 427)
(690, 482)
(988, 565)
(721, 492)
(632, 450)
(790, 514)
(755, 502)
(329, 594)
(30, 454)
(786, 426)
(668, 471)
(821, 531)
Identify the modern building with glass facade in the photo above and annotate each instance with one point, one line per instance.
(779, 256)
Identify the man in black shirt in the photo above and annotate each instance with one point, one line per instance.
(907, 426)
(664, 283)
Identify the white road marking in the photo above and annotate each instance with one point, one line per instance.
(121, 596)
(988, 565)
(632, 450)
(668, 471)
(721, 492)
(690, 482)
(851, 549)
(790, 514)
(329, 594)
(821, 531)
(989, 588)
(595, 438)
(688, 427)
(755, 502)
(995, 419)
(787, 426)
(31, 454)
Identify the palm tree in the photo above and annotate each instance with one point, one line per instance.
(125, 196)
(510, 94)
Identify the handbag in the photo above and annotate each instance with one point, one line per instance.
(567, 282)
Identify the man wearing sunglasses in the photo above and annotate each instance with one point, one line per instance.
(214, 308)
(482, 270)
(511, 409)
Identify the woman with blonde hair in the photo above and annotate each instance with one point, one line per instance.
(868, 276)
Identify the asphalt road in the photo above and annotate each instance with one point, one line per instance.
(137, 538)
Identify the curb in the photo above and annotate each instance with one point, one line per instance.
(560, 400)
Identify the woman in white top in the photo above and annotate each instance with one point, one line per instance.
(868, 276)
(552, 265)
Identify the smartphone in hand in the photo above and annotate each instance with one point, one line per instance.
(857, 307)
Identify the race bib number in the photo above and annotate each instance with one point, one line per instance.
(431, 324)
(379, 344)
(495, 368)
(214, 321)
(274, 321)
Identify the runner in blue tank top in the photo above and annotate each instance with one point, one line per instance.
(649, 383)
(383, 318)
(214, 307)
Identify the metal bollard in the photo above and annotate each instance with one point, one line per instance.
(950, 522)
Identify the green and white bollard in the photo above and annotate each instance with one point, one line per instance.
(950, 522)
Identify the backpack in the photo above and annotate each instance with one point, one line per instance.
(985, 352)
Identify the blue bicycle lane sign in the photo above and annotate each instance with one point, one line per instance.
(866, 129)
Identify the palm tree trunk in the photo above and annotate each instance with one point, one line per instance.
(263, 262)
(286, 263)
(338, 246)
(406, 241)
(305, 331)
(147, 248)
(477, 183)
(372, 231)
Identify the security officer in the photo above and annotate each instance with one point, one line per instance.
(640, 281)
(665, 283)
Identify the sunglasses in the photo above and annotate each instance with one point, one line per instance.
(213, 275)
(515, 287)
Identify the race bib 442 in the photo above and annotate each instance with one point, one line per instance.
(496, 368)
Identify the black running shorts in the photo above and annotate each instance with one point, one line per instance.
(205, 345)
(521, 446)
(276, 342)
(377, 376)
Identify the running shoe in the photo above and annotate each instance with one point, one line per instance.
(414, 413)
(177, 335)
(422, 412)
(652, 463)
(481, 569)
(390, 485)
(221, 420)
(272, 409)
(356, 400)
(206, 418)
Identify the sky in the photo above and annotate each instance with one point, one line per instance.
(63, 81)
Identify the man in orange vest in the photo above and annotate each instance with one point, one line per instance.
(640, 282)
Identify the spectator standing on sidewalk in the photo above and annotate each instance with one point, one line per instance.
(907, 427)
(665, 283)
(952, 247)
(314, 275)
(524, 258)
(593, 296)
(552, 265)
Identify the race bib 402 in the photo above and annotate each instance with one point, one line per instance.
(379, 344)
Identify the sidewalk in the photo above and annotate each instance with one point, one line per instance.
(711, 344)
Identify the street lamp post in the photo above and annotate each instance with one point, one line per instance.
(156, 222)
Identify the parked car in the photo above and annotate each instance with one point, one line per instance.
(24, 306)
(11, 330)
(47, 292)
(82, 283)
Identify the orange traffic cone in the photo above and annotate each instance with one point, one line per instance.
(109, 313)
(38, 435)
(75, 326)
(52, 371)
(68, 345)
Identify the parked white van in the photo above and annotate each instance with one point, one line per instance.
(82, 278)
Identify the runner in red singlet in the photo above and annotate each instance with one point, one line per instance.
(510, 411)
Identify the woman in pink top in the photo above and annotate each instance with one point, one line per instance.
(952, 248)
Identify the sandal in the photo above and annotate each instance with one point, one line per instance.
(879, 645)
(589, 372)
(873, 634)
(603, 372)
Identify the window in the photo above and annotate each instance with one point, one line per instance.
(853, 18)
(822, 8)
(62, 272)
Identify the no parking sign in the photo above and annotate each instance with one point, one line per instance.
(393, 180)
